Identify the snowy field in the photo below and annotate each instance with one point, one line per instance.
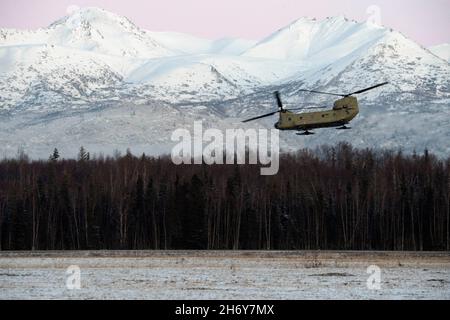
(224, 275)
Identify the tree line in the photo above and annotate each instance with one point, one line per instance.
(331, 198)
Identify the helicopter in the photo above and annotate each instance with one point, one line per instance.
(344, 111)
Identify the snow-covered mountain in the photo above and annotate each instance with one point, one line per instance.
(321, 42)
(94, 78)
(95, 30)
(187, 44)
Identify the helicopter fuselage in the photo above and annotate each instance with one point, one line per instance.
(344, 111)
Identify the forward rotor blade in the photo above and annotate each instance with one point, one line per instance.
(367, 89)
(260, 117)
(277, 96)
(320, 92)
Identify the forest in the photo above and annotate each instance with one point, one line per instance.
(330, 198)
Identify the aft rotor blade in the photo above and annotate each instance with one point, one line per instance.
(367, 89)
(260, 117)
(320, 92)
(279, 102)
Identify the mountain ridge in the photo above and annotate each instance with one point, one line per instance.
(442, 51)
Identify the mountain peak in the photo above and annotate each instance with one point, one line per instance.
(101, 31)
(306, 37)
(87, 16)
(307, 22)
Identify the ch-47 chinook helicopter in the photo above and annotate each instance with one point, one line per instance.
(344, 111)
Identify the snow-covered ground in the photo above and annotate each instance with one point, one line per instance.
(224, 275)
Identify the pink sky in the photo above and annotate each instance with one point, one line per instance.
(426, 21)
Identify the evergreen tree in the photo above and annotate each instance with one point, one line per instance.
(83, 155)
(54, 156)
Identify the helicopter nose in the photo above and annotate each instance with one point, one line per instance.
(277, 125)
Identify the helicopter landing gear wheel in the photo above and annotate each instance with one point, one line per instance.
(344, 127)
(306, 133)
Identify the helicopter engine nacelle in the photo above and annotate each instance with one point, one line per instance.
(346, 103)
